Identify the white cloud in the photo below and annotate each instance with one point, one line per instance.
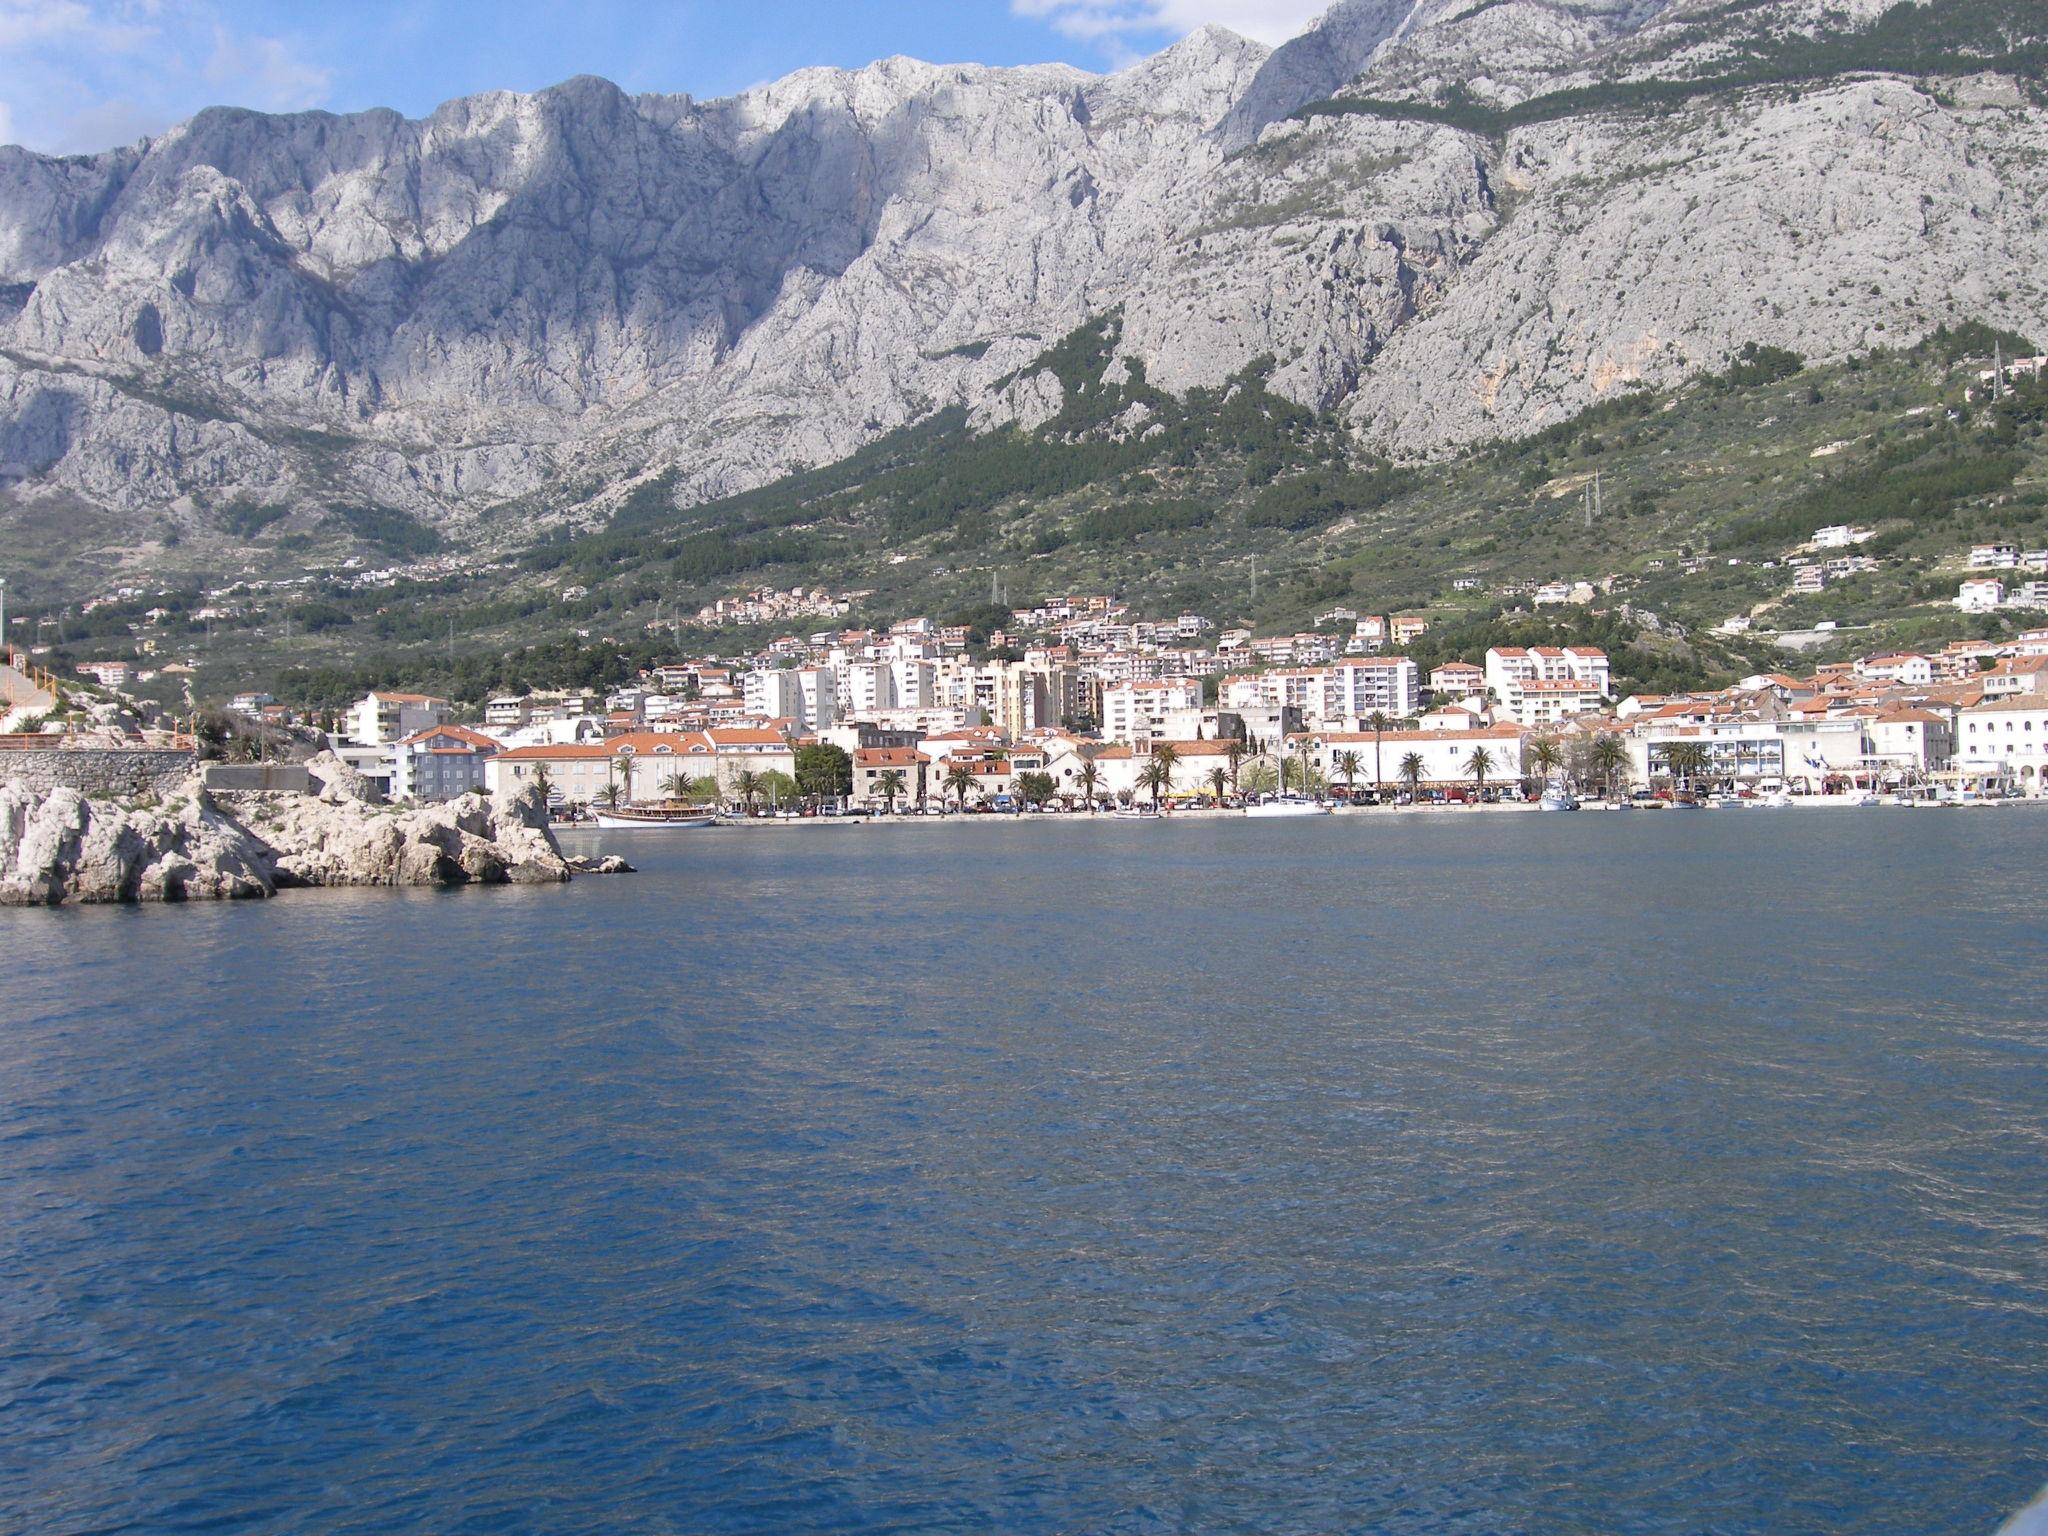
(1114, 22)
(83, 75)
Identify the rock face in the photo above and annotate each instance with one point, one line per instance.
(471, 839)
(59, 846)
(533, 301)
(62, 847)
(338, 783)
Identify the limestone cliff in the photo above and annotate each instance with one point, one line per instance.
(523, 304)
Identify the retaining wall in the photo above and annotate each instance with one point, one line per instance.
(257, 778)
(120, 771)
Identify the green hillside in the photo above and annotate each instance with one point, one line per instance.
(1168, 503)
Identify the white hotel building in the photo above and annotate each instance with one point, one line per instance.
(1547, 683)
(1138, 712)
(1335, 695)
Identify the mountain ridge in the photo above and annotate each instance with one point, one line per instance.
(509, 313)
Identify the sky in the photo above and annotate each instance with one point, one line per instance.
(84, 75)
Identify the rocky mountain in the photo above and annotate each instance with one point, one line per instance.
(1440, 220)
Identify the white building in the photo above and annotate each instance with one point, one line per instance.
(774, 694)
(1918, 739)
(1389, 685)
(865, 688)
(818, 693)
(1539, 701)
(2009, 733)
(1909, 668)
(1456, 680)
(1749, 750)
(1141, 711)
(1584, 672)
(1980, 594)
(1445, 756)
(1994, 557)
(379, 719)
(1840, 536)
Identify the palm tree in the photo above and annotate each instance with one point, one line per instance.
(1236, 752)
(1411, 775)
(1479, 765)
(624, 763)
(1685, 761)
(960, 779)
(610, 795)
(1219, 780)
(544, 782)
(746, 788)
(1167, 755)
(1544, 758)
(1091, 777)
(1307, 781)
(891, 785)
(1347, 764)
(1381, 722)
(676, 786)
(1156, 775)
(1610, 761)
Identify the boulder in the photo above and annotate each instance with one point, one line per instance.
(338, 782)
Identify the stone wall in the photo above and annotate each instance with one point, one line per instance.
(124, 772)
(259, 778)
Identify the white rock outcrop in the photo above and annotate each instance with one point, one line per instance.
(471, 839)
(63, 847)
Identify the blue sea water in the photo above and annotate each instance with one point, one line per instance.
(1458, 1173)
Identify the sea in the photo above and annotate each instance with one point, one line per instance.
(1398, 1173)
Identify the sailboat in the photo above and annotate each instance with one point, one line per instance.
(1557, 795)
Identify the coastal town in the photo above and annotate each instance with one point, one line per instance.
(1078, 704)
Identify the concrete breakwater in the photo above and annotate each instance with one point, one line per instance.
(59, 845)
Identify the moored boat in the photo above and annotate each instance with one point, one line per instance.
(1291, 806)
(676, 817)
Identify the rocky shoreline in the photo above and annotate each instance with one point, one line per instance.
(60, 846)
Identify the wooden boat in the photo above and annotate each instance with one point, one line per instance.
(668, 814)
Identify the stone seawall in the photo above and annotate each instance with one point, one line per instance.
(120, 772)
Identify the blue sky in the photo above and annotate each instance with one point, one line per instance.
(79, 75)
